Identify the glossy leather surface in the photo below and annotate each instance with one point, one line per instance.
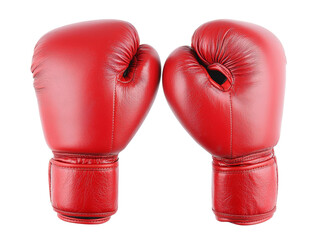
(235, 115)
(95, 84)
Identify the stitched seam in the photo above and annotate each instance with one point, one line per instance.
(229, 164)
(248, 157)
(84, 161)
(276, 172)
(84, 220)
(247, 221)
(113, 115)
(244, 221)
(231, 126)
(220, 47)
(86, 169)
(66, 212)
(50, 167)
(265, 215)
(88, 156)
(245, 160)
(74, 220)
(242, 171)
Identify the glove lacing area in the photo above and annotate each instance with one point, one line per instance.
(245, 188)
(83, 187)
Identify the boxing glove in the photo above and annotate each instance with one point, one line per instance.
(227, 90)
(94, 84)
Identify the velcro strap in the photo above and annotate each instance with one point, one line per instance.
(86, 190)
(245, 189)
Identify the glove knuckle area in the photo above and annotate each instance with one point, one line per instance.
(103, 48)
(245, 49)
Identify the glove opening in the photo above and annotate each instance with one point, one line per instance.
(125, 73)
(128, 74)
(217, 76)
(220, 76)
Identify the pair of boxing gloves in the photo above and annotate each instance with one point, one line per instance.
(95, 84)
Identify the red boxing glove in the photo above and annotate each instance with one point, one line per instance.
(95, 85)
(227, 90)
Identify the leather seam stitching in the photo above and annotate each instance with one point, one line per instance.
(257, 155)
(231, 126)
(69, 219)
(241, 171)
(263, 159)
(265, 215)
(50, 169)
(88, 156)
(113, 115)
(66, 212)
(86, 169)
(222, 44)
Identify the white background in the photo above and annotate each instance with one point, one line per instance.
(165, 176)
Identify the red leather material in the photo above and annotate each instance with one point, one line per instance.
(84, 186)
(245, 188)
(82, 93)
(227, 91)
(95, 84)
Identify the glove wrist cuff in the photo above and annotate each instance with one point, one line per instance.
(245, 188)
(83, 189)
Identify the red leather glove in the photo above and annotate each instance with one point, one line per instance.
(95, 85)
(227, 90)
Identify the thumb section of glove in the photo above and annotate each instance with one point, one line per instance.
(134, 94)
(196, 99)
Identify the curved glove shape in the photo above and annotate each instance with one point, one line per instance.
(95, 85)
(227, 90)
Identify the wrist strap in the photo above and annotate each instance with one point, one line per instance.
(83, 189)
(245, 188)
